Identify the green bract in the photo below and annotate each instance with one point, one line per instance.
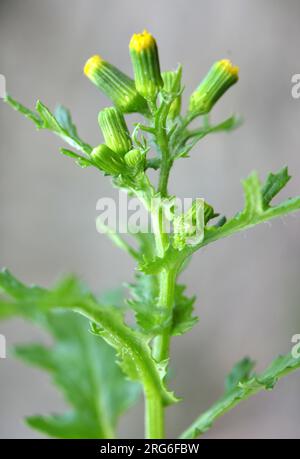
(98, 360)
(115, 85)
(107, 160)
(221, 76)
(145, 62)
(114, 130)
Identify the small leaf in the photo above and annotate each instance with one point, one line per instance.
(153, 163)
(80, 160)
(171, 258)
(183, 319)
(240, 373)
(241, 385)
(44, 119)
(151, 318)
(233, 122)
(273, 184)
(49, 120)
(63, 116)
(30, 114)
(256, 208)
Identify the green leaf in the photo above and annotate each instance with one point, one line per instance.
(134, 354)
(84, 369)
(150, 317)
(133, 351)
(51, 123)
(233, 122)
(182, 148)
(153, 163)
(241, 385)
(256, 209)
(171, 259)
(240, 373)
(67, 425)
(146, 244)
(82, 366)
(80, 160)
(44, 119)
(115, 237)
(30, 114)
(273, 184)
(183, 319)
(64, 118)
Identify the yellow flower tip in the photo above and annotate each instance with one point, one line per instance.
(228, 67)
(141, 41)
(92, 64)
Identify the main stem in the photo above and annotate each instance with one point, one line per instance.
(154, 417)
(161, 343)
(154, 409)
(154, 412)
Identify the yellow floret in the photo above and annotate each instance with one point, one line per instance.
(91, 64)
(141, 41)
(228, 67)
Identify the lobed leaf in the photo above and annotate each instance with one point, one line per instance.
(82, 366)
(150, 317)
(75, 351)
(61, 125)
(241, 385)
(183, 319)
(256, 208)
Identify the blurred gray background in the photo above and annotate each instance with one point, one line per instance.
(247, 286)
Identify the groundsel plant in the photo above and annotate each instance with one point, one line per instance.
(99, 361)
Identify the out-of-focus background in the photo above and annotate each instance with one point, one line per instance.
(247, 286)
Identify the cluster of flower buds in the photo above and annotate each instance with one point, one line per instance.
(219, 79)
(139, 95)
(117, 156)
(127, 95)
(189, 225)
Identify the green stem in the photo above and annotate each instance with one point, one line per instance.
(164, 176)
(154, 417)
(154, 406)
(161, 343)
(163, 145)
(154, 411)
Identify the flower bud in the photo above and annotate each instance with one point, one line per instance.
(169, 79)
(115, 85)
(135, 160)
(189, 227)
(220, 77)
(114, 129)
(145, 61)
(107, 160)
